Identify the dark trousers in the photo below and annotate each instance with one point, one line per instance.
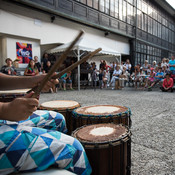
(169, 90)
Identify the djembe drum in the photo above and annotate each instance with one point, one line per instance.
(108, 148)
(64, 107)
(9, 95)
(101, 114)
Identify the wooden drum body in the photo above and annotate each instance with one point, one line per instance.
(65, 107)
(108, 148)
(101, 114)
(7, 96)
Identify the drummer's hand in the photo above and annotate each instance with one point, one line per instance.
(19, 108)
(50, 83)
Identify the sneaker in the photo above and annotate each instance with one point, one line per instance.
(71, 89)
(64, 89)
(113, 88)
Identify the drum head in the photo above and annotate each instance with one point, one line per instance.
(100, 110)
(59, 105)
(101, 133)
(14, 92)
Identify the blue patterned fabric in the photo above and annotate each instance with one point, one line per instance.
(37, 143)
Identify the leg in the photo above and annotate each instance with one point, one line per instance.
(25, 148)
(43, 119)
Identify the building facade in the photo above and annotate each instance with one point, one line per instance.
(139, 29)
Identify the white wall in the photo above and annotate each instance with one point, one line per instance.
(61, 31)
(19, 22)
(9, 48)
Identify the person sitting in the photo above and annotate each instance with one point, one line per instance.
(163, 63)
(158, 77)
(145, 67)
(66, 78)
(35, 140)
(137, 75)
(115, 76)
(123, 77)
(47, 67)
(128, 66)
(8, 68)
(154, 65)
(167, 84)
(151, 79)
(31, 69)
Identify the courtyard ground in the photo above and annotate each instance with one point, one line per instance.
(153, 124)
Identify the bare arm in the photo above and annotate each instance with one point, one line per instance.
(19, 82)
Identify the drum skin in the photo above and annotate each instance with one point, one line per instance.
(109, 158)
(121, 117)
(65, 107)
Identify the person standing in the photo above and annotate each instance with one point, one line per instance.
(172, 64)
(44, 60)
(37, 63)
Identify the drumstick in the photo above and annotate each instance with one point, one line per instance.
(77, 63)
(57, 64)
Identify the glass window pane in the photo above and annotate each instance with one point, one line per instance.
(89, 3)
(112, 7)
(107, 6)
(96, 4)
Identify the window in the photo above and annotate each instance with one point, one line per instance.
(89, 3)
(116, 8)
(102, 5)
(121, 9)
(112, 7)
(107, 6)
(95, 5)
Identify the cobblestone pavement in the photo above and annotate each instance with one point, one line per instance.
(153, 124)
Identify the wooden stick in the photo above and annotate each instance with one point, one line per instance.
(57, 64)
(77, 63)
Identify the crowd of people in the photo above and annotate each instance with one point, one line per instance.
(115, 75)
(162, 74)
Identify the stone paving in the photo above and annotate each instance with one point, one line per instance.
(153, 124)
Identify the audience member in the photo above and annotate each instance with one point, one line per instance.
(37, 63)
(163, 63)
(137, 75)
(167, 84)
(8, 68)
(47, 67)
(158, 77)
(117, 72)
(172, 65)
(44, 60)
(66, 78)
(31, 69)
(151, 78)
(128, 65)
(145, 66)
(154, 65)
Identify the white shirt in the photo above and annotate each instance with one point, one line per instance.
(118, 72)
